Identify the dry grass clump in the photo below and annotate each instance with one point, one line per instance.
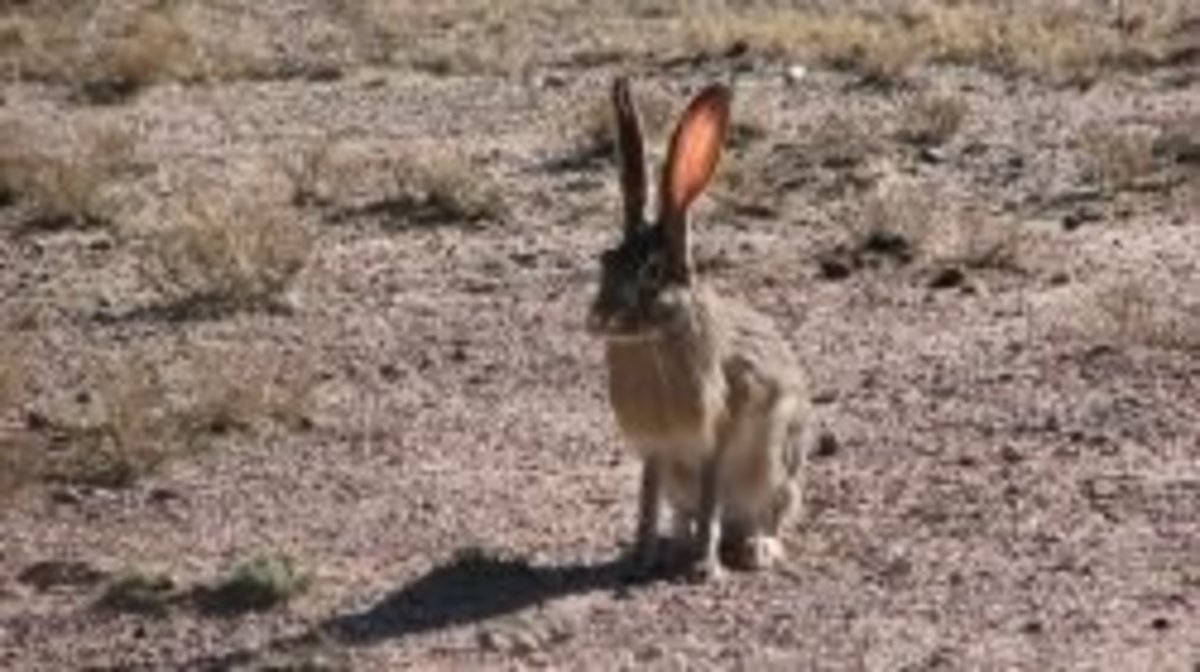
(1065, 45)
(68, 190)
(461, 37)
(222, 254)
(742, 183)
(112, 50)
(961, 239)
(930, 121)
(306, 168)
(39, 40)
(116, 441)
(12, 375)
(888, 228)
(904, 221)
(228, 389)
(839, 142)
(1136, 310)
(894, 221)
(443, 187)
(1121, 159)
(1058, 45)
(18, 457)
(137, 414)
(156, 46)
(840, 39)
(1177, 141)
(836, 157)
(426, 184)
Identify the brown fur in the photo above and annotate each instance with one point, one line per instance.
(703, 387)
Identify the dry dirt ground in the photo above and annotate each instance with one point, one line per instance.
(331, 310)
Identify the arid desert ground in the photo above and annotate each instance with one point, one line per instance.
(294, 375)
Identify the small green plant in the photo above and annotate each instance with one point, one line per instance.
(141, 592)
(259, 584)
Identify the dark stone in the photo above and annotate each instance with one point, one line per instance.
(948, 278)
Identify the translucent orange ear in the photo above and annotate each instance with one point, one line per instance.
(695, 150)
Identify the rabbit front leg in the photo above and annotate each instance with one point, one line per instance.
(708, 523)
(645, 549)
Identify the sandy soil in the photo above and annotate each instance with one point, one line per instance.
(1010, 477)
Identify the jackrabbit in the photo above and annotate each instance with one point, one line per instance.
(704, 388)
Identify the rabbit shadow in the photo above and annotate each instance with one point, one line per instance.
(472, 587)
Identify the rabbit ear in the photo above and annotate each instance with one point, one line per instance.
(691, 162)
(695, 149)
(631, 154)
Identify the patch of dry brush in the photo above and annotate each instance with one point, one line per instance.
(220, 254)
(1041, 40)
(68, 190)
(134, 414)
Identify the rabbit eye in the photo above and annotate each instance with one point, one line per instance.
(652, 271)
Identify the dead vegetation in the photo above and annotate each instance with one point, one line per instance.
(461, 37)
(135, 414)
(155, 47)
(1060, 45)
(420, 186)
(133, 44)
(931, 120)
(1136, 311)
(903, 222)
(834, 157)
(138, 43)
(16, 453)
(1121, 159)
(67, 190)
(222, 253)
(307, 169)
(443, 186)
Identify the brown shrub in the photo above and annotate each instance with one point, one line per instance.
(222, 254)
(1060, 45)
(442, 186)
(1137, 311)
(1120, 159)
(931, 120)
(18, 457)
(69, 189)
(143, 413)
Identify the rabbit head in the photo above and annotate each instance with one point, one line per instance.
(645, 279)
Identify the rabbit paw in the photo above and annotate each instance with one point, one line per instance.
(707, 570)
(760, 552)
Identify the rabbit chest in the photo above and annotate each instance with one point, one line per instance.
(668, 396)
